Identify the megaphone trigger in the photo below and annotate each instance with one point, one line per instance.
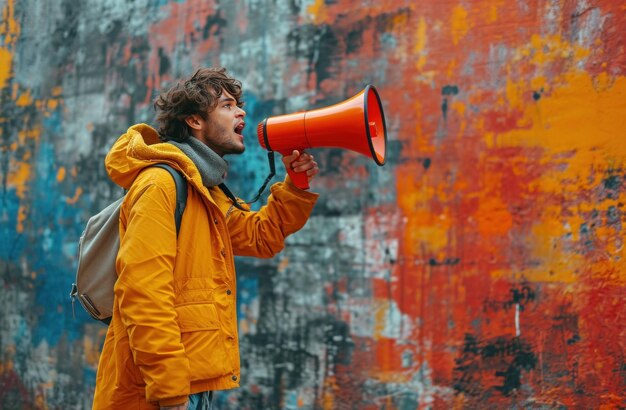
(298, 178)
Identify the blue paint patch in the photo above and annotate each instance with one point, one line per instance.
(160, 3)
(54, 231)
(388, 41)
(248, 171)
(21, 332)
(247, 293)
(53, 123)
(291, 400)
(13, 242)
(89, 376)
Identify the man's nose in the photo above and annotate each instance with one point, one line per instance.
(241, 113)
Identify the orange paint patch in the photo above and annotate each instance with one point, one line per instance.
(494, 219)
(61, 174)
(76, 197)
(420, 44)
(388, 359)
(22, 213)
(52, 105)
(25, 99)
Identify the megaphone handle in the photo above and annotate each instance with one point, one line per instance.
(299, 179)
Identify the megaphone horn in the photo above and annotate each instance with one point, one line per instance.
(356, 124)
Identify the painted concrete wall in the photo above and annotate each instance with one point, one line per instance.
(482, 267)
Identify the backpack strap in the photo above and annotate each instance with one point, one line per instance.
(181, 193)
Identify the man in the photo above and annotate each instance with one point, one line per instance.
(173, 335)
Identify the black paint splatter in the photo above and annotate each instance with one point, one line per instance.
(354, 41)
(505, 357)
(215, 21)
(426, 163)
(445, 262)
(164, 62)
(612, 185)
(449, 90)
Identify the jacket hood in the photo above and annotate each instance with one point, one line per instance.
(140, 147)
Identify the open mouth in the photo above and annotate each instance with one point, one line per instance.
(239, 128)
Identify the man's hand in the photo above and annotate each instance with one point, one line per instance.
(177, 407)
(301, 162)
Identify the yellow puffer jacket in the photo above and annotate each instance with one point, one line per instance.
(174, 325)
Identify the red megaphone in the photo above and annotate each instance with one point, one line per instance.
(356, 124)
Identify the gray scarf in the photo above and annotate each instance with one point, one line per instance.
(212, 167)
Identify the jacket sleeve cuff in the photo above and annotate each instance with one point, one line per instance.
(173, 401)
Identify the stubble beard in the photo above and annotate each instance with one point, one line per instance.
(224, 145)
(235, 151)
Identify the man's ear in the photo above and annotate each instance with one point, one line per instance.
(193, 121)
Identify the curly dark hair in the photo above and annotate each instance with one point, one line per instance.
(197, 95)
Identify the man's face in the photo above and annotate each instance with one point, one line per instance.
(222, 131)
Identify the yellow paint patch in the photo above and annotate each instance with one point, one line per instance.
(318, 12)
(545, 50)
(552, 239)
(330, 387)
(513, 94)
(583, 114)
(20, 171)
(422, 228)
(25, 99)
(538, 83)
(458, 107)
(580, 124)
(492, 15)
(6, 64)
(10, 28)
(380, 316)
(18, 176)
(451, 69)
(459, 24)
(9, 32)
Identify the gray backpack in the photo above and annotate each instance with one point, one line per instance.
(97, 250)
